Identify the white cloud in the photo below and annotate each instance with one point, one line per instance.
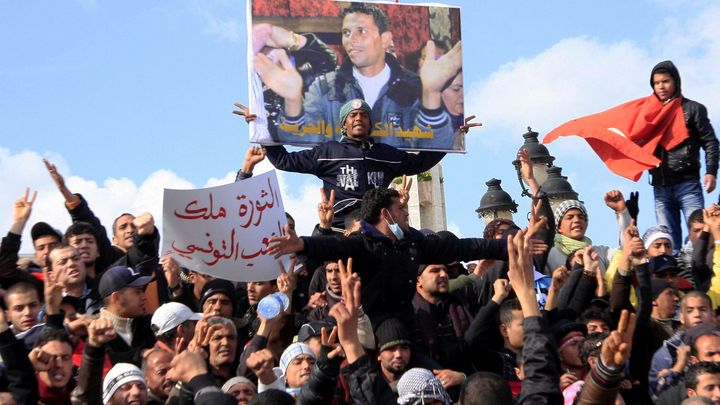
(115, 196)
(565, 81)
(223, 28)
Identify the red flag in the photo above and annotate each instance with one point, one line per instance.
(625, 137)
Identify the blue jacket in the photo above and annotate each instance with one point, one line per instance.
(351, 167)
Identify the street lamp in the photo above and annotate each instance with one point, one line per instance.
(557, 188)
(496, 203)
(540, 157)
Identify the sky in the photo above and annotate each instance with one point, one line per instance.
(131, 97)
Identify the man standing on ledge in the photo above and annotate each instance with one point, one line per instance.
(676, 182)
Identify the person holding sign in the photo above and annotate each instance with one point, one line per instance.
(354, 165)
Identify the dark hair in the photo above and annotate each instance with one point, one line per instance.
(52, 334)
(351, 218)
(695, 216)
(379, 16)
(61, 245)
(506, 310)
(592, 313)
(118, 218)
(693, 346)
(590, 347)
(693, 373)
(696, 294)
(485, 388)
(21, 288)
(272, 397)
(79, 228)
(492, 226)
(374, 201)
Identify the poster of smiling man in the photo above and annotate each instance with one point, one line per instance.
(308, 57)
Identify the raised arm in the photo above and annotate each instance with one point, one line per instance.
(253, 156)
(367, 386)
(11, 243)
(540, 359)
(79, 210)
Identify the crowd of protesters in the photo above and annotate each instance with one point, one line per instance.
(373, 311)
(379, 314)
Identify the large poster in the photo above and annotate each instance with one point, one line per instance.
(224, 231)
(309, 57)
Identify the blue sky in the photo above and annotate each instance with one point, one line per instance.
(130, 97)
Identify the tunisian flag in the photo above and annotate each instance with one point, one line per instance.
(626, 137)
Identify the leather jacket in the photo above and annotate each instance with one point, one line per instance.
(682, 163)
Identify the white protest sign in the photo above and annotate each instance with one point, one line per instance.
(224, 231)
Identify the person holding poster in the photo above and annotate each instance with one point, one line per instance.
(355, 164)
(404, 106)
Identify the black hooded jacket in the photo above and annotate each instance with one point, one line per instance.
(682, 163)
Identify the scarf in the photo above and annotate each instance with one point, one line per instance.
(568, 245)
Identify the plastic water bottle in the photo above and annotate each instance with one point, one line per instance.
(271, 306)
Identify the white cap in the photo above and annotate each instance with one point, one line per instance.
(119, 375)
(168, 316)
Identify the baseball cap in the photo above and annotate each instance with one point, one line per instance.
(41, 229)
(168, 316)
(313, 328)
(663, 263)
(118, 277)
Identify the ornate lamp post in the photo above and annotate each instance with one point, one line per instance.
(557, 188)
(496, 203)
(541, 159)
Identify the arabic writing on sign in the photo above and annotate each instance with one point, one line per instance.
(225, 231)
(383, 129)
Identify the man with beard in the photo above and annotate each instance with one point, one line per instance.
(155, 366)
(441, 320)
(393, 346)
(331, 296)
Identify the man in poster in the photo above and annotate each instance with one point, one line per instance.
(404, 105)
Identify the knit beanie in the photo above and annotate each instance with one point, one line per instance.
(119, 375)
(355, 104)
(391, 333)
(219, 286)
